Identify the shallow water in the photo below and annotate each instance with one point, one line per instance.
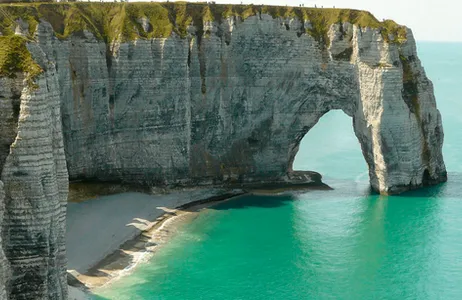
(340, 244)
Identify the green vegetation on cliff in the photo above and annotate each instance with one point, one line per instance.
(124, 21)
(14, 58)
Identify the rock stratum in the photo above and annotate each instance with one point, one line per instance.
(190, 94)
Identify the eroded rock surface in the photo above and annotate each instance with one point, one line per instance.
(168, 111)
(229, 102)
(35, 187)
(3, 261)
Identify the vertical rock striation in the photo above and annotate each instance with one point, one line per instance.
(235, 107)
(3, 261)
(175, 95)
(35, 184)
(396, 120)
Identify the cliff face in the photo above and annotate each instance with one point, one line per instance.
(4, 274)
(236, 106)
(227, 100)
(35, 187)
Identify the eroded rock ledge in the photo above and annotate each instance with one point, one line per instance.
(190, 94)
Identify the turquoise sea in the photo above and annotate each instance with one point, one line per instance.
(340, 244)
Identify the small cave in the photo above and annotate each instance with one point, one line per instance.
(426, 178)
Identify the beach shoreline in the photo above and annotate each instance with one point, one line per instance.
(179, 207)
(140, 249)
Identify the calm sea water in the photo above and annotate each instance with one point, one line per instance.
(341, 244)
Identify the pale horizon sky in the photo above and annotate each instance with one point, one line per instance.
(430, 20)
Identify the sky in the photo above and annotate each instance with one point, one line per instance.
(430, 20)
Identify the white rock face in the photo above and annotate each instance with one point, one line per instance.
(235, 107)
(230, 106)
(35, 181)
(4, 274)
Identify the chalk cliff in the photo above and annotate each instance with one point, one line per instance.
(35, 184)
(3, 261)
(187, 94)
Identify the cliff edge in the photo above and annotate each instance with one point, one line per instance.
(190, 94)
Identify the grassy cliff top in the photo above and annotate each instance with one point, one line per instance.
(122, 21)
(109, 21)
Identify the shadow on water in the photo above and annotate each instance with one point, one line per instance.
(260, 201)
(97, 297)
(449, 189)
(285, 198)
(426, 192)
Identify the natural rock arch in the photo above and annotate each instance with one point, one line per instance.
(235, 109)
(314, 150)
(232, 108)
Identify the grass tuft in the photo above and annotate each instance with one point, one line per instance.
(16, 58)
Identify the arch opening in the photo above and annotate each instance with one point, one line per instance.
(332, 149)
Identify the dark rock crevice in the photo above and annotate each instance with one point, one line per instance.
(10, 105)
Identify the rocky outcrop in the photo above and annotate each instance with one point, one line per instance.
(186, 98)
(35, 183)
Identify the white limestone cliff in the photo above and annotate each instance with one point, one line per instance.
(35, 181)
(227, 106)
(4, 274)
(166, 111)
